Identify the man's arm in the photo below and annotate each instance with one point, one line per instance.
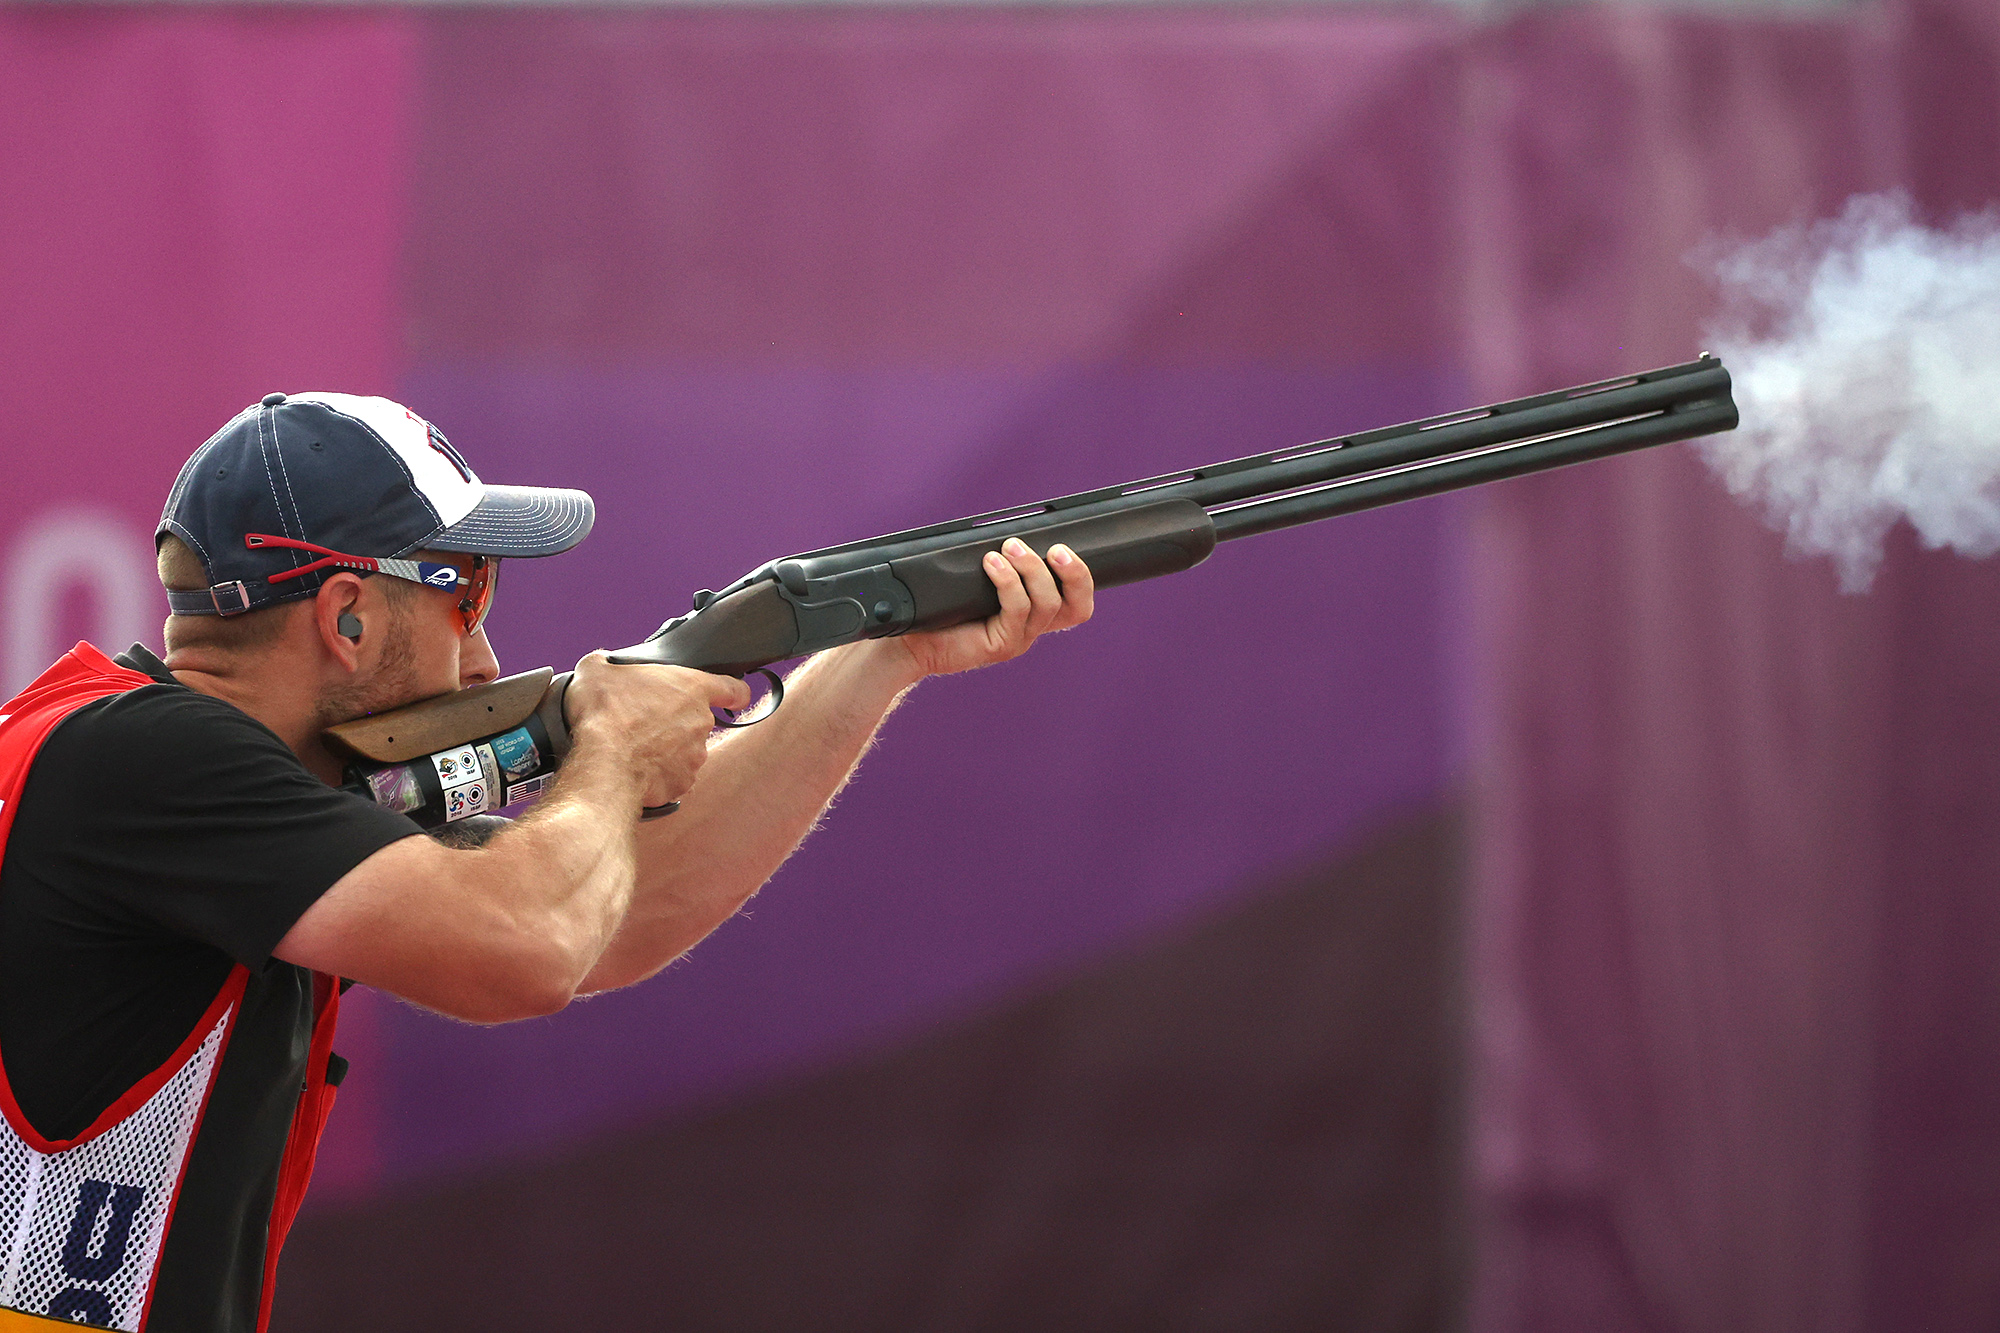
(510, 930)
(764, 788)
(579, 896)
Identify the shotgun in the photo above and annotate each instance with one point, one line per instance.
(462, 754)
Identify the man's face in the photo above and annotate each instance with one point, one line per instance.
(441, 656)
(433, 654)
(423, 650)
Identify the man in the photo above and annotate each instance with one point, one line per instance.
(182, 886)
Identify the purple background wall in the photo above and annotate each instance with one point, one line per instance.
(765, 280)
(1733, 930)
(789, 329)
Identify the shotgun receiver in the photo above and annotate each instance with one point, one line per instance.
(463, 753)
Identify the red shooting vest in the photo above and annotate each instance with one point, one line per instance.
(84, 1221)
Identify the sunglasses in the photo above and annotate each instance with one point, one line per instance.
(475, 583)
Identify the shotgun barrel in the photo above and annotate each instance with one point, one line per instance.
(931, 577)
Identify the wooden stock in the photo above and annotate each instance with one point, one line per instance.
(441, 723)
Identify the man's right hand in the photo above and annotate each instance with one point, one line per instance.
(511, 929)
(653, 719)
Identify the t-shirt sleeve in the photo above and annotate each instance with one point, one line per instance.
(181, 811)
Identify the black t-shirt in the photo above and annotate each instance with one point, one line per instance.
(163, 835)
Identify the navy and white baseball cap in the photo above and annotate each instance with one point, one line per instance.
(337, 473)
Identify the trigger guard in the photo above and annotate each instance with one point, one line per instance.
(777, 697)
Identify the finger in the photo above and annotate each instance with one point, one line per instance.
(715, 690)
(1044, 598)
(727, 691)
(1079, 590)
(669, 785)
(1012, 621)
(586, 682)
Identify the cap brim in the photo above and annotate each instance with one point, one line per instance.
(521, 520)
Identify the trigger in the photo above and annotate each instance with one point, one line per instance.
(774, 698)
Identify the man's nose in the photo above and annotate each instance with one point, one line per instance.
(477, 664)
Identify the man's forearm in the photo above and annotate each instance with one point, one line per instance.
(761, 791)
(500, 932)
(560, 854)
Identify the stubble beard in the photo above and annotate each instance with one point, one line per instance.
(392, 683)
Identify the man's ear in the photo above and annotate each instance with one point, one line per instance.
(337, 617)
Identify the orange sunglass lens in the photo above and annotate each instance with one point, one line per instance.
(478, 600)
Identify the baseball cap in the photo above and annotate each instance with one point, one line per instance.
(361, 476)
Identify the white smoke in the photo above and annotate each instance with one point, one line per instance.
(1865, 352)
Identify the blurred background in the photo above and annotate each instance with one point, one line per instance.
(1540, 908)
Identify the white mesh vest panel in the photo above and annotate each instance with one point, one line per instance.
(81, 1229)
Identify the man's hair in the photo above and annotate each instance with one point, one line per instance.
(182, 571)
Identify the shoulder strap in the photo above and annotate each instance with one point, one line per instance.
(80, 676)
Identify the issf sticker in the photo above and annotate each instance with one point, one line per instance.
(464, 802)
(515, 750)
(396, 788)
(456, 766)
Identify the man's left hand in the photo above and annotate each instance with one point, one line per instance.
(1032, 604)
